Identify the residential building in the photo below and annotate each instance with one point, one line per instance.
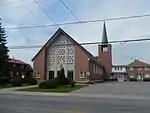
(119, 72)
(18, 67)
(61, 50)
(138, 69)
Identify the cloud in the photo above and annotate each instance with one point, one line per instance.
(29, 14)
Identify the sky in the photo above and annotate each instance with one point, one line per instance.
(16, 13)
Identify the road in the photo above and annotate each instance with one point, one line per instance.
(10, 103)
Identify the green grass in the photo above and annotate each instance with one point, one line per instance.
(63, 89)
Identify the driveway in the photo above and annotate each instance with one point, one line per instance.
(122, 88)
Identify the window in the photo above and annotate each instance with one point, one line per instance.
(132, 76)
(70, 74)
(105, 49)
(121, 68)
(146, 68)
(139, 69)
(131, 68)
(118, 68)
(147, 75)
(115, 68)
(51, 75)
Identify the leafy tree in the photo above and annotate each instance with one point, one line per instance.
(3, 52)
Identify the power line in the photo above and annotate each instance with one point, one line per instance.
(45, 12)
(69, 10)
(90, 43)
(81, 22)
(17, 6)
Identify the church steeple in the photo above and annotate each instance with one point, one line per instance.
(104, 36)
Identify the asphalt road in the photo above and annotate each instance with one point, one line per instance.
(70, 104)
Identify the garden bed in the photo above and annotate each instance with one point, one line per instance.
(61, 89)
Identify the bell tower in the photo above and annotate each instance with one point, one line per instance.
(105, 54)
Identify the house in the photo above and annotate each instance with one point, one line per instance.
(61, 50)
(119, 72)
(138, 70)
(18, 67)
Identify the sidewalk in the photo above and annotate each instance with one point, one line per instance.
(12, 91)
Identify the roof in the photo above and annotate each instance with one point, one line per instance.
(104, 37)
(58, 32)
(15, 61)
(138, 63)
(119, 65)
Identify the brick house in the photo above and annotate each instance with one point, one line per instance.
(18, 67)
(62, 50)
(138, 69)
(135, 70)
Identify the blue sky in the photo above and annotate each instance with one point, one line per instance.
(27, 13)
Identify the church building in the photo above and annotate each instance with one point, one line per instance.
(61, 50)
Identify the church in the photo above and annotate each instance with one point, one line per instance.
(61, 50)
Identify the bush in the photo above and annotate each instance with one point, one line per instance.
(32, 81)
(16, 82)
(52, 83)
(43, 85)
(72, 83)
(4, 80)
(146, 79)
(62, 81)
(48, 84)
(132, 79)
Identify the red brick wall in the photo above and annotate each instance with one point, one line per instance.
(39, 64)
(136, 72)
(106, 59)
(81, 62)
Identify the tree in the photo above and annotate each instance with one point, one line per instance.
(3, 52)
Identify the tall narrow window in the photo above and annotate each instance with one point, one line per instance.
(51, 75)
(70, 74)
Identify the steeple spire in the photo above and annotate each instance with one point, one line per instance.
(104, 36)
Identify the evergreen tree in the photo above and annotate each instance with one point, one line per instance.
(3, 52)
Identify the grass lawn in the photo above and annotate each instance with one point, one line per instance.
(63, 89)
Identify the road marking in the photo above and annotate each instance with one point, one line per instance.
(43, 109)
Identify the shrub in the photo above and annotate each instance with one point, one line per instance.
(43, 85)
(32, 81)
(4, 80)
(48, 84)
(52, 83)
(132, 79)
(72, 83)
(25, 80)
(146, 79)
(28, 80)
(16, 82)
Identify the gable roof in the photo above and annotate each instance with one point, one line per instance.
(57, 33)
(138, 63)
(15, 61)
